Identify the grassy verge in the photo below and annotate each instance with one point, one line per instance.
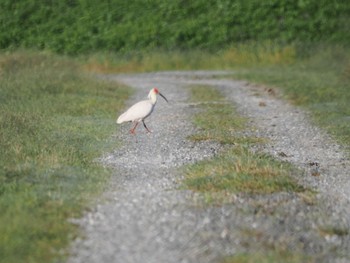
(238, 56)
(237, 169)
(319, 81)
(54, 121)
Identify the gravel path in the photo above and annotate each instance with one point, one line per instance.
(145, 217)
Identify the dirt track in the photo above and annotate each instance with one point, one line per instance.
(144, 217)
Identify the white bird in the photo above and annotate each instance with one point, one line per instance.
(141, 110)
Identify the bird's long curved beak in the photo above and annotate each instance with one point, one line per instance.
(163, 97)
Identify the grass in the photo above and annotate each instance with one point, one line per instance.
(237, 56)
(217, 114)
(54, 121)
(319, 81)
(334, 230)
(236, 170)
(270, 257)
(241, 171)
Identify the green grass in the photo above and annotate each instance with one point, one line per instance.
(240, 171)
(237, 169)
(236, 56)
(217, 114)
(319, 81)
(334, 230)
(54, 121)
(269, 257)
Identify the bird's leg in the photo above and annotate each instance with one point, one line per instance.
(132, 131)
(144, 124)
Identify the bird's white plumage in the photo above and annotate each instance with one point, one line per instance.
(137, 112)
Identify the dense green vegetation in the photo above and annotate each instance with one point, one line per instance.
(54, 121)
(77, 26)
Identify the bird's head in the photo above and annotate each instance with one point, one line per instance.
(153, 95)
(155, 90)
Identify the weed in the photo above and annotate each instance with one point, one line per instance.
(269, 257)
(236, 56)
(334, 230)
(237, 169)
(215, 121)
(54, 121)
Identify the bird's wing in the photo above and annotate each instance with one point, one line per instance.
(136, 112)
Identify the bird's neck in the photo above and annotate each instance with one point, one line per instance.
(153, 98)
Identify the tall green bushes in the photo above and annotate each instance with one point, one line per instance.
(76, 26)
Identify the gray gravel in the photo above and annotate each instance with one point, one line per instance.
(144, 217)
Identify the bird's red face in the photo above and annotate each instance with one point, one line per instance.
(156, 91)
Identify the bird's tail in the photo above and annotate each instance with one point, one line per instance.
(121, 119)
